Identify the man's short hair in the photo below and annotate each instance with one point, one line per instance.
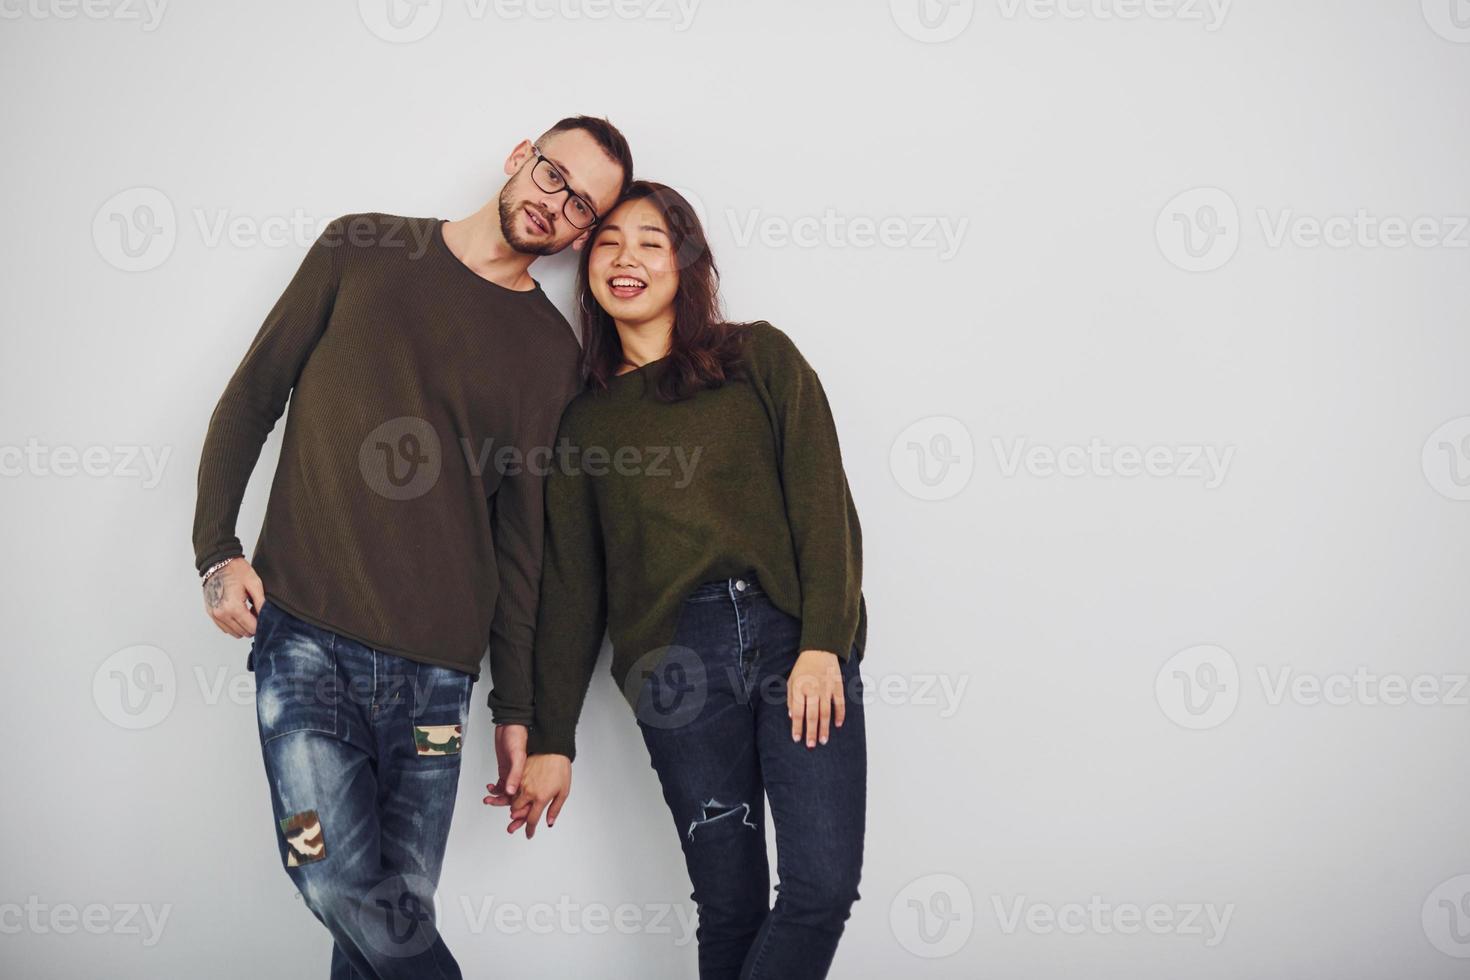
(613, 143)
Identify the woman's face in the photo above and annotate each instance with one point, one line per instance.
(631, 267)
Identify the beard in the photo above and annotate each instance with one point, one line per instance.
(508, 214)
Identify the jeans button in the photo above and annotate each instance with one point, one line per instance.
(740, 585)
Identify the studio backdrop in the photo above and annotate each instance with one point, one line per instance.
(1144, 326)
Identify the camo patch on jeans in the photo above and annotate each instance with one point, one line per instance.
(437, 739)
(304, 843)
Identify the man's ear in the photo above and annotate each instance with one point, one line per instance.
(581, 240)
(517, 157)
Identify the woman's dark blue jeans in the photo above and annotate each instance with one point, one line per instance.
(713, 715)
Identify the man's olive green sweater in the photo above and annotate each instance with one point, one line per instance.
(402, 514)
(647, 499)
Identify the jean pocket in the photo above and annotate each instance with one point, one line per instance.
(296, 684)
(265, 617)
(441, 708)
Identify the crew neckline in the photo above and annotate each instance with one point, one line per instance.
(439, 224)
(640, 368)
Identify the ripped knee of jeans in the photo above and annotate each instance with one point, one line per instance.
(713, 811)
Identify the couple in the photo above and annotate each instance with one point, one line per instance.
(456, 472)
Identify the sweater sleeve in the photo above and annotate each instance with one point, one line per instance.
(256, 396)
(572, 616)
(518, 522)
(819, 504)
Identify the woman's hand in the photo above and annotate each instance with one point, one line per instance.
(814, 696)
(547, 781)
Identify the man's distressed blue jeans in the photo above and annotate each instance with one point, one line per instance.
(362, 751)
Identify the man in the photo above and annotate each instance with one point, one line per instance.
(424, 366)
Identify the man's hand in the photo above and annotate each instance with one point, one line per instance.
(233, 597)
(547, 782)
(814, 696)
(510, 756)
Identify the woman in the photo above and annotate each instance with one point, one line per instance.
(697, 508)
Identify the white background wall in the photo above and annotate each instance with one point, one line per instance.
(1046, 731)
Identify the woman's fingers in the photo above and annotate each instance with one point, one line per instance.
(824, 717)
(537, 808)
(555, 810)
(813, 719)
(839, 704)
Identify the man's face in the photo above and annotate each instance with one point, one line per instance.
(533, 219)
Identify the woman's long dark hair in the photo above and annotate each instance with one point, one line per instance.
(704, 350)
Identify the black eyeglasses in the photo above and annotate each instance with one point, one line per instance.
(579, 214)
